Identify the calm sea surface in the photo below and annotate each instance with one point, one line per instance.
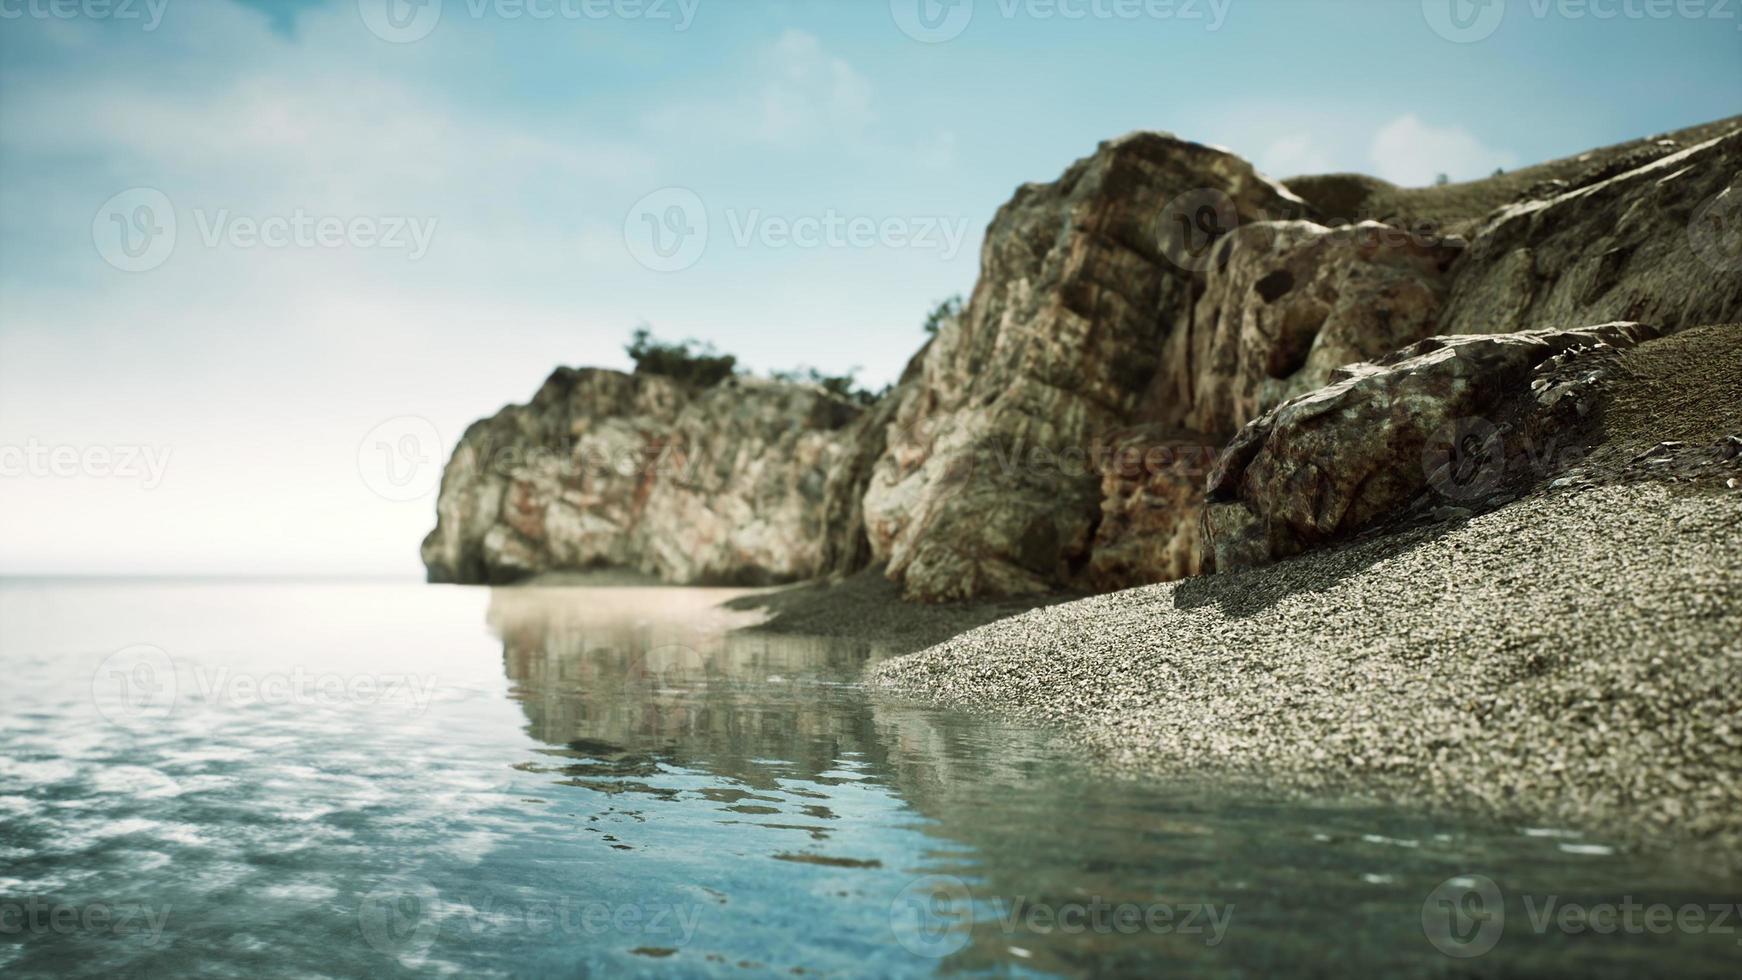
(378, 779)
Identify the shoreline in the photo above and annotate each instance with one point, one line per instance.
(1568, 657)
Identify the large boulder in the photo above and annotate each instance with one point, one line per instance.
(1283, 303)
(1660, 243)
(1451, 413)
(1286, 302)
(988, 485)
(728, 484)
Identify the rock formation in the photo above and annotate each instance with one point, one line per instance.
(730, 484)
(1661, 244)
(990, 484)
(1129, 319)
(1450, 413)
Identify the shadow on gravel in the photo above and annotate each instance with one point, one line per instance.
(867, 606)
(1250, 591)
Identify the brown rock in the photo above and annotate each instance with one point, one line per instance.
(726, 484)
(1345, 457)
(988, 485)
(1285, 303)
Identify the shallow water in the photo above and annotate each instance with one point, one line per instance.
(343, 779)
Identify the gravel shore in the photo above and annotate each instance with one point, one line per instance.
(1573, 655)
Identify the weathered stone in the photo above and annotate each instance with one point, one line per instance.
(1152, 489)
(1286, 302)
(1327, 464)
(1660, 243)
(728, 484)
(987, 485)
(1043, 439)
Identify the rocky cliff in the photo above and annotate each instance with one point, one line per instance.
(742, 482)
(1130, 319)
(993, 479)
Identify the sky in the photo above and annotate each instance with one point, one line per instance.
(261, 262)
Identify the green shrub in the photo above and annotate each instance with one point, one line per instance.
(945, 310)
(691, 361)
(840, 385)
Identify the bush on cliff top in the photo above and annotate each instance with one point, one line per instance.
(840, 385)
(691, 361)
(699, 363)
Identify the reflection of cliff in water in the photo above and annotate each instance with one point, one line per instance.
(658, 673)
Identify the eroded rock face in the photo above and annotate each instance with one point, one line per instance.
(1286, 302)
(988, 485)
(1152, 490)
(1057, 432)
(602, 468)
(1661, 243)
(1283, 303)
(1446, 413)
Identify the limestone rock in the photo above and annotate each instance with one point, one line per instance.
(601, 468)
(987, 485)
(1152, 490)
(1285, 303)
(1660, 243)
(1330, 463)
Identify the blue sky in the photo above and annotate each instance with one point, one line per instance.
(529, 153)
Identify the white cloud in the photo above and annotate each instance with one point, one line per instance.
(1291, 156)
(802, 95)
(811, 90)
(1410, 152)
